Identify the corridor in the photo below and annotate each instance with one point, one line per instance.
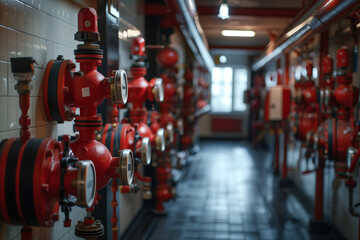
(229, 192)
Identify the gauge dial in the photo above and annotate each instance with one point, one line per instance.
(180, 126)
(160, 140)
(127, 167)
(86, 183)
(350, 156)
(159, 90)
(121, 87)
(170, 133)
(146, 151)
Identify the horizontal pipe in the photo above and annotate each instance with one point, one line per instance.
(315, 21)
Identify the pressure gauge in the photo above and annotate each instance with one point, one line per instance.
(145, 151)
(85, 184)
(316, 141)
(170, 133)
(120, 87)
(350, 156)
(160, 140)
(180, 92)
(180, 126)
(158, 90)
(126, 173)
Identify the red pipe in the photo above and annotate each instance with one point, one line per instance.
(141, 178)
(276, 153)
(319, 190)
(26, 233)
(286, 138)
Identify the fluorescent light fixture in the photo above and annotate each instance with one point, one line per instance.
(224, 10)
(238, 33)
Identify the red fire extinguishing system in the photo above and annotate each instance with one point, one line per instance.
(167, 58)
(37, 176)
(253, 97)
(188, 111)
(335, 135)
(65, 89)
(308, 118)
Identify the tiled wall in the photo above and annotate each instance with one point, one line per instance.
(42, 29)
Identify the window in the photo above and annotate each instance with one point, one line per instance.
(227, 89)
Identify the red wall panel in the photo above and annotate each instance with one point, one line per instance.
(223, 124)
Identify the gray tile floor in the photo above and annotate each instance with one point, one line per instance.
(229, 192)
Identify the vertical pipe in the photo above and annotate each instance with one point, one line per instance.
(319, 190)
(286, 137)
(26, 233)
(324, 49)
(286, 72)
(276, 152)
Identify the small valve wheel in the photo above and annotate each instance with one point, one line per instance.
(85, 183)
(350, 154)
(169, 134)
(145, 151)
(158, 90)
(126, 167)
(119, 87)
(160, 140)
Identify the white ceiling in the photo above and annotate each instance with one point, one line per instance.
(213, 25)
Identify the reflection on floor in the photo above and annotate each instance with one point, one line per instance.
(229, 192)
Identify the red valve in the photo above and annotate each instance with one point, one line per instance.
(167, 57)
(138, 47)
(163, 190)
(309, 68)
(343, 58)
(65, 89)
(87, 20)
(327, 65)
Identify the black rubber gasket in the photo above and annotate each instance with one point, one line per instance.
(26, 181)
(52, 91)
(10, 182)
(88, 51)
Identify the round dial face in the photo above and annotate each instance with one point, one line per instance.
(160, 140)
(130, 168)
(121, 87)
(90, 184)
(127, 167)
(146, 151)
(159, 85)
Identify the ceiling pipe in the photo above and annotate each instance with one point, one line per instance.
(194, 35)
(315, 21)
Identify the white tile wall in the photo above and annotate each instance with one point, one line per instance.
(41, 29)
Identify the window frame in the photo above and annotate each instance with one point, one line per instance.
(232, 112)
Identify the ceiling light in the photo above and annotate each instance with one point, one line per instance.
(224, 10)
(222, 59)
(237, 33)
